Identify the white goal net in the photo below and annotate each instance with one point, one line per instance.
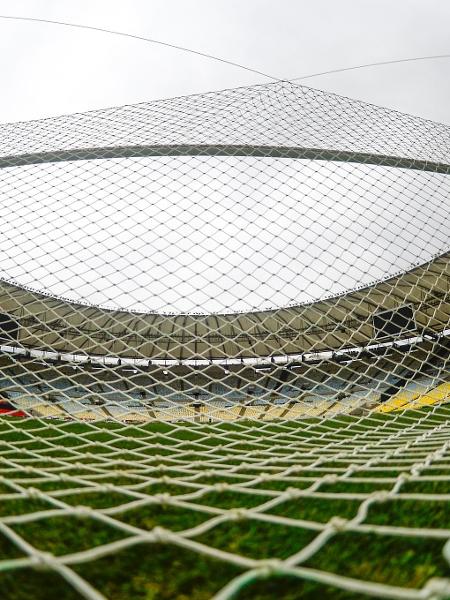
(224, 335)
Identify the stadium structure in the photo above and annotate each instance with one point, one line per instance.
(224, 360)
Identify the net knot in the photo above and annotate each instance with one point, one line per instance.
(338, 523)
(44, 561)
(34, 493)
(380, 495)
(221, 487)
(416, 469)
(160, 534)
(438, 455)
(108, 487)
(269, 567)
(292, 493)
(237, 514)
(330, 478)
(83, 511)
(163, 498)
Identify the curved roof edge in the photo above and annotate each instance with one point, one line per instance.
(141, 151)
(46, 322)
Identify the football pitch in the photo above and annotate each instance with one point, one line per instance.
(247, 510)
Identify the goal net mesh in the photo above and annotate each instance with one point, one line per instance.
(224, 350)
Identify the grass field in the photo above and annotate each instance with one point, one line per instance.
(188, 477)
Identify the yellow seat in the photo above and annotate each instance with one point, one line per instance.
(416, 398)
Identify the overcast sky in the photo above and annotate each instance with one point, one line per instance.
(49, 70)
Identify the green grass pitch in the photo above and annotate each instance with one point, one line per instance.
(47, 467)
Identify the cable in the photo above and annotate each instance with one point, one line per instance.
(217, 58)
(375, 64)
(141, 38)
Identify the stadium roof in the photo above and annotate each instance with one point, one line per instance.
(336, 323)
(319, 191)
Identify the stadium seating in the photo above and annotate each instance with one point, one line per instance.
(321, 390)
